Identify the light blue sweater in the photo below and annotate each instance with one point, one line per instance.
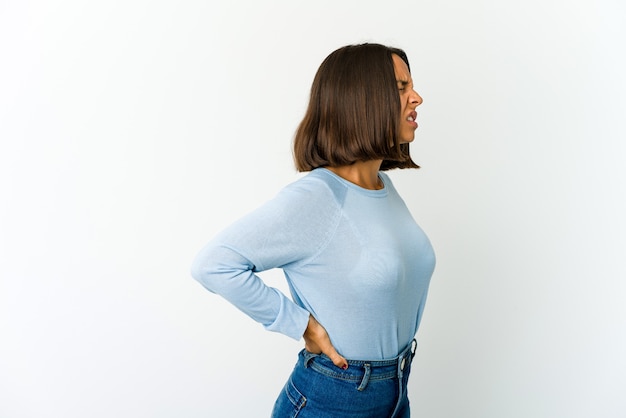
(353, 258)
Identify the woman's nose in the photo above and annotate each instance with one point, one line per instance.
(416, 99)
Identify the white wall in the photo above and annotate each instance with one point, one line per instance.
(132, 131)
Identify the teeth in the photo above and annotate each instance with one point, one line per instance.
(410, 119)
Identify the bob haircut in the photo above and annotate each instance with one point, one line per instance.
(353, 112)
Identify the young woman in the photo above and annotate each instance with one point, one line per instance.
(357, 264)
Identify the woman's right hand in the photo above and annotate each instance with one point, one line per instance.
(316, 340)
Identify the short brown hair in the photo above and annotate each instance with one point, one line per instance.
(354, 111)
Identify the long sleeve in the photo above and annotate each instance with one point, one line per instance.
(285, 231)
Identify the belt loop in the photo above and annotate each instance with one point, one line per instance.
(366, 377)
(308, 357)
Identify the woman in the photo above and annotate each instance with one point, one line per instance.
(357, 264)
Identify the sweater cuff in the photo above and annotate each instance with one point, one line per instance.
(291, 321)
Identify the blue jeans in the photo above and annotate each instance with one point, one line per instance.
(373, 389)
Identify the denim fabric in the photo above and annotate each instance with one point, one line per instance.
(367, 389)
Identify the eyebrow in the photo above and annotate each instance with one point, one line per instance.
(402, 82)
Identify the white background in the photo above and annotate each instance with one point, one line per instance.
(132, 131)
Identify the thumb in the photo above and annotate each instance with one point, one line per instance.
(337, 359)
(316, 337)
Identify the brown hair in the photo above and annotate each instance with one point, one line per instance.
(354, 111)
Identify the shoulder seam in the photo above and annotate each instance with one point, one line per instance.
(331, 231)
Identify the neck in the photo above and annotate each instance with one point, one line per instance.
(361, 173)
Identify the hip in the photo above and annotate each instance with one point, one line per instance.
(318, 388)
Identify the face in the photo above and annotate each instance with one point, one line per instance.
(409, 100)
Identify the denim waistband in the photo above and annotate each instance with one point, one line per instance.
(407, 353)
(363, 370)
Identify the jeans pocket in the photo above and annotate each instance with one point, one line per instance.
(289, 403)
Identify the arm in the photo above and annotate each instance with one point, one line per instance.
(225, 271)
(287, 230)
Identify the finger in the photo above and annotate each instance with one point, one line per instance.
(316, 337)
(337, 359)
